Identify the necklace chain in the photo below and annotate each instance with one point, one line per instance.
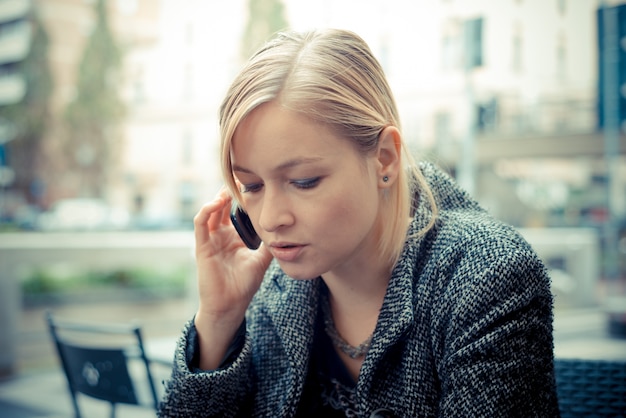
(338, 341)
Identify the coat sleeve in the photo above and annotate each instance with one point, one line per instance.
(191, 392)
(495, 328)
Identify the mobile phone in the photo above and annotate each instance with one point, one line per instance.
(244, 227)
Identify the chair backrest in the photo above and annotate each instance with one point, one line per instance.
(591, 388)
(103, 361)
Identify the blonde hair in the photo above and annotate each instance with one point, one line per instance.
(332, 77)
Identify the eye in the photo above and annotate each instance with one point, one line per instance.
(251, 188)
(307, 183)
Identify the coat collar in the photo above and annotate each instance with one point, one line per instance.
(397, 314)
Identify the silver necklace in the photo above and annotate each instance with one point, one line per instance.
(338, 341)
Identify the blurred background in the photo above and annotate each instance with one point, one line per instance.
(108, 128)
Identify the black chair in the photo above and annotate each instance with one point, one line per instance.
(106, 362)
(591, 388)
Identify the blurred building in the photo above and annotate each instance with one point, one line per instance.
(519, 127)
(68, 24)
(174, 91)
(14, 43)
(15, 39)
(176, 68)
(527, 108)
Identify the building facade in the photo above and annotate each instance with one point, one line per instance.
(519, 128)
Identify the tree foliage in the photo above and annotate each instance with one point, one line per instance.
(265, 18)
(30, 117)
(96, 112)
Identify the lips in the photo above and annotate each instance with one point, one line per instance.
(286, 251)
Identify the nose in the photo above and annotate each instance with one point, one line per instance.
(275, 211)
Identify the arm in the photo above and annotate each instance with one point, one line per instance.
(220, 393)
(229, 274)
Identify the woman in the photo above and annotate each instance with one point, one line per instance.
(380, 289)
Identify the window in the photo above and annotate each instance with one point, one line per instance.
(188, 82)
(561, 58)
(186, 198)
(187, 148)
(517, 49)
(138, 89)
(128, 7)
(444, 141)
(189, 32)
(451, 45)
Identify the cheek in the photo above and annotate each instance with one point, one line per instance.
(344, 219)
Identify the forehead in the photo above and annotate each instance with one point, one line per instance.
(279, 134)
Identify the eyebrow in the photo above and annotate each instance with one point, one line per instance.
(284, 166)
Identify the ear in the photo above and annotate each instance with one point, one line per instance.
(388, 155)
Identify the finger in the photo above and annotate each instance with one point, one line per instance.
(216, 216)
(200, 221)
(223, 192)
(265, 253)
(225, 218)
(200, 227)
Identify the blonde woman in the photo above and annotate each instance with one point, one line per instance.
(380, 287)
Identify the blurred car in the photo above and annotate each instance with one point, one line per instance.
(83, 215)
(26, 217)
(159, 221)
(16, 213)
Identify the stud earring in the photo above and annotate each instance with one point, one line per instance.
(385, 179)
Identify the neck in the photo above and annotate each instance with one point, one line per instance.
(355, 301)
(360, 283)
(361, 277)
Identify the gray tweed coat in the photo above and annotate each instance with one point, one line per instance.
(465, 331)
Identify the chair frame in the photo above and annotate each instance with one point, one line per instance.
(109, 358)
(591, 387)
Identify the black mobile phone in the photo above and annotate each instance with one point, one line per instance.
(244, 227)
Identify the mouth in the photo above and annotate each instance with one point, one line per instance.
(286, 251)
(284, 245)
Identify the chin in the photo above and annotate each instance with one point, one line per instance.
(298, 273)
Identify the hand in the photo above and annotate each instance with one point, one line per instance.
(229, 274)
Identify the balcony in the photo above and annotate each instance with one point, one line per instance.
(12, 89)
(13, 9)
(15, 41)
(564, 127)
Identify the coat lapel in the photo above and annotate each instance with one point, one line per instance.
(397, 314)
(292, 307)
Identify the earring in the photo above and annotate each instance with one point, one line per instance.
(386, 179)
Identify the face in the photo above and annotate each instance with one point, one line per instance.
(312, 197)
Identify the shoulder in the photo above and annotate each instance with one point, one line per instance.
(482, 270)
(476, 247)
(468, 253)
(465, 234)
(477, 234)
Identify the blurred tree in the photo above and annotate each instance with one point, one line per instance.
(265, 18)
(28, 119)
(94, 115)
